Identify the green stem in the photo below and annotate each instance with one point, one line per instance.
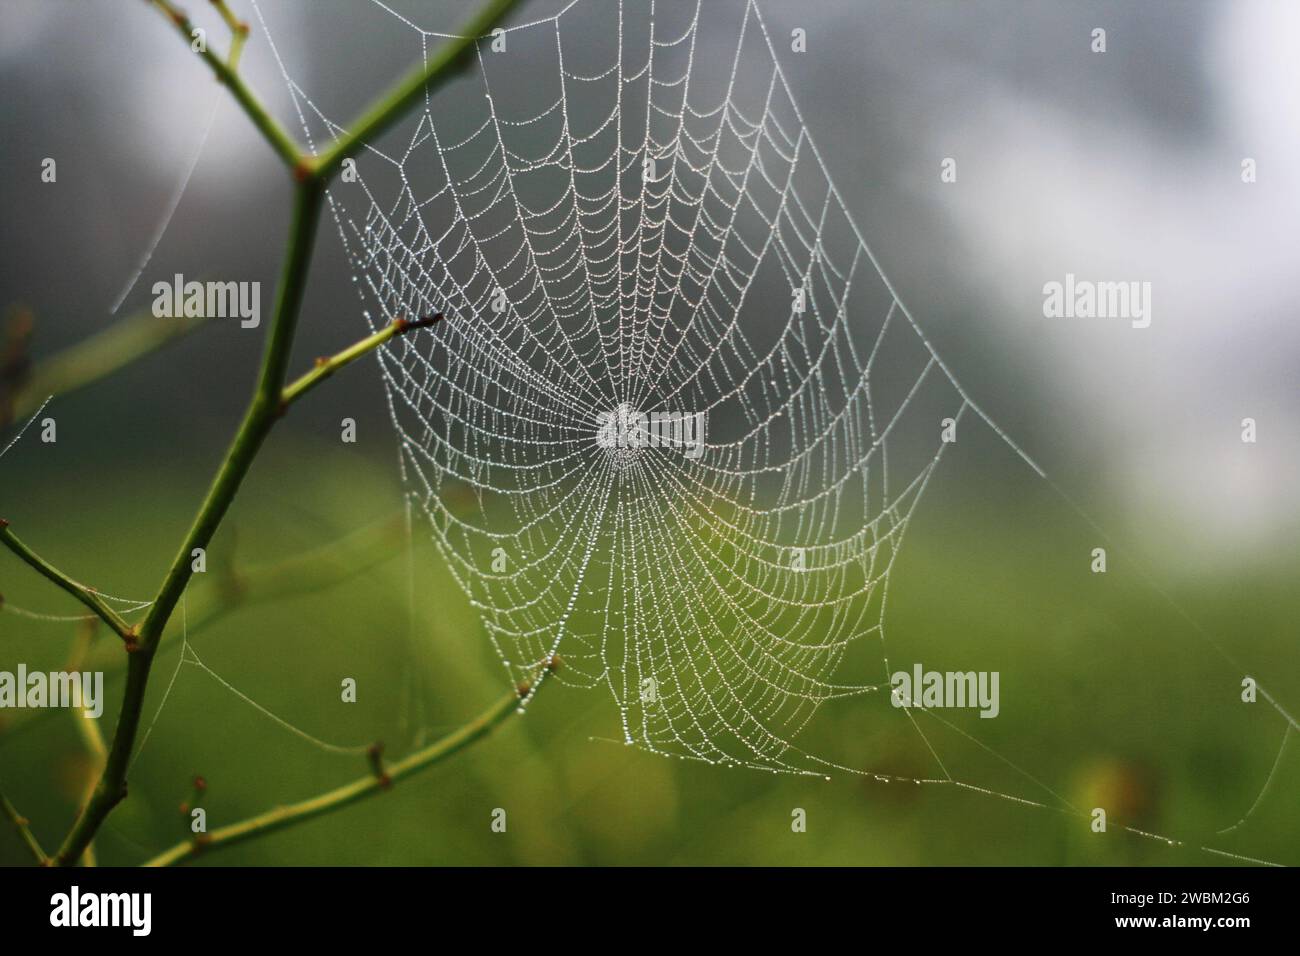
(325, 367)
(308, 572)
(238, 32)
(450, 58)
(98, 357)
(85, 595)
(261, 414)
(336, 799)
(271, 131)
(311, 177)
(258, 421)
(24, 829)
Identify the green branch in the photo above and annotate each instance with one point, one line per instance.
(87, 727)
(451, 58)
(238, 32)
(98, 357)
(271, 131)
(305, 573)
(258, 420)
(380, 779)
(311, 176)
(81, 592)
(23, 826)
(327, 366)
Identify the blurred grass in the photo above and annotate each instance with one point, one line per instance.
(1108, 697)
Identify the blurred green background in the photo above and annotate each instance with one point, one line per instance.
(1109, 697)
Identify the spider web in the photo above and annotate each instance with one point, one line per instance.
(615, 213)
(641, 230)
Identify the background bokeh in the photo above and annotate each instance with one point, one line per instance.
(1122, 165)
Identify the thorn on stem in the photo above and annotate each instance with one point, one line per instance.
(375, 754)
(402, 324)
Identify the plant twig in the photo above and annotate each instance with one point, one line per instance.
(81, 592)
(327, 366)
(283, 144)
(260, 415)
(238, 32)
(258, 419)
(310, 177)
(87, 727)
(304, 573)
(450, 58)
(22, 825)
(367, 786)
(98, 357)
